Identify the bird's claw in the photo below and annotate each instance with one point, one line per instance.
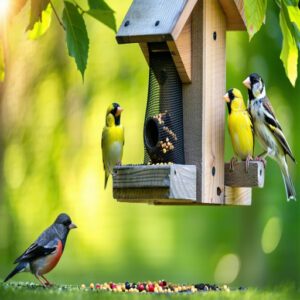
(247, 162)
(231, 163)
(261, 159)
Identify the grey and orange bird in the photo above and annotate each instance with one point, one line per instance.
(44, 254)
(268, 129)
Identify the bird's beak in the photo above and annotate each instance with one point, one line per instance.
(72, 226)
(247, 83)
(119, 111)
(226, 97)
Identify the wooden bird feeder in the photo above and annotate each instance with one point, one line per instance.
(193, 34)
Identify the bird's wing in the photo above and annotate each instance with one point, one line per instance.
(270, 114)
(103, 144)
(282, 140)
(274, 125)
(43, 246)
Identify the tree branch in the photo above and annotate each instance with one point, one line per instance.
(57, 17)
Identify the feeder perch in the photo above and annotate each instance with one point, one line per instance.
(184, 43)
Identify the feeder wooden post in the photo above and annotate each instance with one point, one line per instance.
(195, 33)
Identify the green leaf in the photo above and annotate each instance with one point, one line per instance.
(289, 52)
(37, 7)
(99, 4)
(77, 37)
(291, 2)
(105, 17)
(103, 13)
(255, 12)
(2, 63)
(41, 27)
(293, 15)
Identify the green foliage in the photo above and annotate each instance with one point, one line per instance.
(289, 19)
(2, 63)
(41, 27)
(77, 36)
(102, 12)
(255, 13)
(73, 23)
(289, 52)
(37, 7)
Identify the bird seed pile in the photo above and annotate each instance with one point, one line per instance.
(160, 286)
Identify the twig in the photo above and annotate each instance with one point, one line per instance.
(82, 10)
(56, 15)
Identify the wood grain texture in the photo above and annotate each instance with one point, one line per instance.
(238, 196)
(234, 11)
(154, 183)
(181, 50)
(203, 108)
(144, 48)
(238, 177)
(154, 21)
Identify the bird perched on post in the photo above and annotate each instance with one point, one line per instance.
(268, 129)
(112, 140)
(240, 127)
(44, 254)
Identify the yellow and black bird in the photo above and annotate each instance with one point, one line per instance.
(112, 140)
(240, 127)
(268, 129)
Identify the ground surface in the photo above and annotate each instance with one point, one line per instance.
(15, 291)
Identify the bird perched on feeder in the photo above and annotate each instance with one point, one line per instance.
(44, 254)
(240, 127)
(268, 129)
(112, 140)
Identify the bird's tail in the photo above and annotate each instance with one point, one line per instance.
(19, 268)
(288, 183)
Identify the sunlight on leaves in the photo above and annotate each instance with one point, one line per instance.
(16, 7)
(14, 165)
(41, 27)
(227, 269)
(255, 12)
(2, 63)
(294, 17)
(37, 7)
(289, 52)
(271, 235)
(77, 36)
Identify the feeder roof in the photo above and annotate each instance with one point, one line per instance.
(163, 20)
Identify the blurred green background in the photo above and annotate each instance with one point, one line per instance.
(50, 162)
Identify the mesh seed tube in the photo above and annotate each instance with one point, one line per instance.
(163, 128)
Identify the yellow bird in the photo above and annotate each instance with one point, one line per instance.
(240, 127)
(112, 140)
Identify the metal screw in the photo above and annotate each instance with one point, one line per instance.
(156, 23)
(126, 23)
(215, 35)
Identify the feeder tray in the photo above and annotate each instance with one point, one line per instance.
(184, 43)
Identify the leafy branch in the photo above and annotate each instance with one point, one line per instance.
(72, 21)
(289, 20)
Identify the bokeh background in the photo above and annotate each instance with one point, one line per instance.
(50, 162)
